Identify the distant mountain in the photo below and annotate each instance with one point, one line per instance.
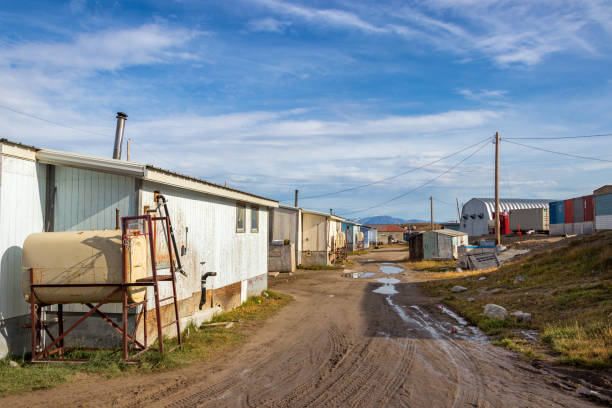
(415, 221)
(380, 219)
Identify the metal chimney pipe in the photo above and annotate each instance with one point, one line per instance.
(121, 117)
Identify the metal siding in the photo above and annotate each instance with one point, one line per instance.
(569, 210)
(212, 238)
(86, 200)
(557, 212)
(603, 222)
(588, 205)
(22, 195)
(578, 210)
(430, 245)
(603, 205)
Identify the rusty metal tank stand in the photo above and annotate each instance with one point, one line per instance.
(129, 341)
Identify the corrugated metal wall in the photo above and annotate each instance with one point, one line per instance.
(568, 210)
(22, 208)
(578, 210)
(211, 238)
(603, 211)
(557, 213)
(588, 204)
(86, 200)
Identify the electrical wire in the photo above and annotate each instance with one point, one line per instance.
(422, 185)
(557, 137)
(561, 153)
(29, 115)
(392, 177)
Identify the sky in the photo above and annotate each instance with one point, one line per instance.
(269, 96)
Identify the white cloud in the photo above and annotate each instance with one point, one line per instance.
(505, 32)
(104, 50)
(270, 25)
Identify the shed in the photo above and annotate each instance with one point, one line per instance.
(603, 208)
(478, 212)
(48, 190)
(285, 222)
(442, 244)
(388, 232)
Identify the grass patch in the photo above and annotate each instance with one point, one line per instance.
(431, 266)
(200, 344)
(360, 252)
(320, 267)
(567, 290)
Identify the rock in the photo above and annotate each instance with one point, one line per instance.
(265, 294)
(494, 311)
(496, 290)
(458, 270)
(520, 278)
(482, 278)
(13, 364)
(458, 288)
(471, 299)
(522, 316)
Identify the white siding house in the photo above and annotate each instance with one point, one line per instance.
(46, 190)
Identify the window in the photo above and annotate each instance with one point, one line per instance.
(254, 219)
(240, 217)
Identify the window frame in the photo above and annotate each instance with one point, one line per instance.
(241, 206)
(255, 210)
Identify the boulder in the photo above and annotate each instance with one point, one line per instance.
(457, 288)
(482, 278)
(494, 311)
(471, 299)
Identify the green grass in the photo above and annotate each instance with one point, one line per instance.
(200, 344)
(568, 291)
(320, 267)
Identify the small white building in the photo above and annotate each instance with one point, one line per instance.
(46, 190)
(478, 212)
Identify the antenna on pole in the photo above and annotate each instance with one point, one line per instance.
(431, 209)
(497, 222)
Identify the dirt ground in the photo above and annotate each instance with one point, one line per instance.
(343, 342)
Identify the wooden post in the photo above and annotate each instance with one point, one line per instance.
(497, 222)
(458, 212)
(431, 209)
(296, 197)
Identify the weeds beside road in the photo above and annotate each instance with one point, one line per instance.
(568, 291)
(200, 344)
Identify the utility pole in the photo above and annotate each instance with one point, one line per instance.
(458, 212)
(431, 209)
(497, 223)
(296, 197)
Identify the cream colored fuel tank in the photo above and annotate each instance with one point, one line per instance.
(81, 257)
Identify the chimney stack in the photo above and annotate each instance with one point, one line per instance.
(121, 117)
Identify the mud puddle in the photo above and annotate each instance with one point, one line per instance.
(367, 274)
(390, 269)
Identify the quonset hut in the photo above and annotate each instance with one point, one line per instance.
(478, 212)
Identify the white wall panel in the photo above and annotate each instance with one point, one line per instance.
(22, 195)
(212, 238)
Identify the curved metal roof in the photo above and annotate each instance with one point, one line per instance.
(507, 204)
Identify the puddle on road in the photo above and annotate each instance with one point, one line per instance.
(367, 274)
(390, 269)
(388, 281)
(386, 290)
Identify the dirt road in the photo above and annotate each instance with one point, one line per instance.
(344, 342)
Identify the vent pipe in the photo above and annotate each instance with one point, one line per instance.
(121, 117)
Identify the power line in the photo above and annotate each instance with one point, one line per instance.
(561, 153)
(50, 121)
(392, 177)
(422, 185)
(557, 137)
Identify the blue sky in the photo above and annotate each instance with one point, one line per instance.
(271, 95)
